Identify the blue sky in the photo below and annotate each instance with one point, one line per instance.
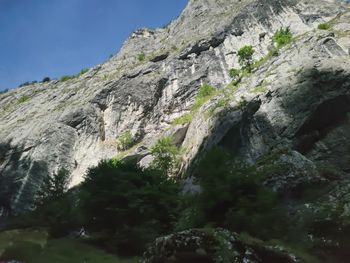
(40, 38)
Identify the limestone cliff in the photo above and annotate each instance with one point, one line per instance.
(298, 99)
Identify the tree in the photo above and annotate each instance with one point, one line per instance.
(165, 155)
(133, 205)
(56, 207)
(46, 79)
(245, 57)
(53, 187)
(232, 196)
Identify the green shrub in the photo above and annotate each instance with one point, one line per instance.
(245, 57)
(234, 73)
(165, 155)
(282, 37)
(186, 118)
(141, 56)
(132, 204)
(65, 78)
(46, 79)
(232, 196)
(204, 94)
(22, 99)
(83, 71)
(4, 91)
(125, 141)
(324, 26)
(24, 84)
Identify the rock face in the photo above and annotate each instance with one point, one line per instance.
(210, 246)
(298, 99)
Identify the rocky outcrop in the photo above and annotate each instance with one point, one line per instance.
(218, 245)
(298, 99)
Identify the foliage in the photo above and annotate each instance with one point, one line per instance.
(56, 208)
(245, 56)
(33, 246)
(242, 103)
(204, 94)
(65, 78)
(324, 26)
(222, 102)
(133, 205)
(165, 155)
(260, 88)
(141, 56)
(125, 140)
(22, 99)
(4, 91)
(232, 196)
(53, 187)
(186, 118)
(24, 84)
(282, 37)
(83, 71)
(272, 53)
(46, 79)
(234, 73)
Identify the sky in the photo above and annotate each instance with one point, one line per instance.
(51, 38)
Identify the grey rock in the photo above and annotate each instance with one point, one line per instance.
(204, 245)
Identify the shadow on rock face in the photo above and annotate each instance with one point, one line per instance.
(19, 179)
(320, 107)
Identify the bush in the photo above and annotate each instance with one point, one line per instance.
(46, 79)
(22, 99)
(204, 94)
(232, 196)
(4, 91)
(125, 141)
(282, 37)
(141, 57)
(234, 73)
(65, 78)
(83, 71)
(186, 118)
(245, 57)
(24, 84)
(324, 26)
(165, 155)
(133, 205)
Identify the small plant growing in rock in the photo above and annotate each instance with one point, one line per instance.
(46, 79)
(141, 57)
(22, 99)
(282, 37)
(245, 57)
(234, 73)
(324, 26)
(83, 71)
(125, 141)
(65, 78)
(186, 118)
(204, 94)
